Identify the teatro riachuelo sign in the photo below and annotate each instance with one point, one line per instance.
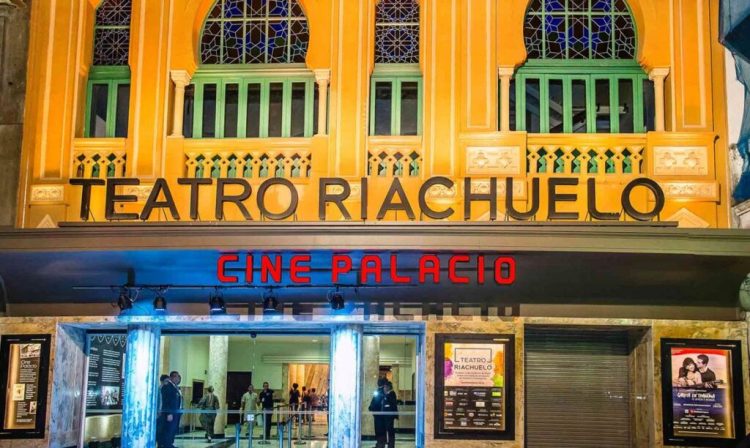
(335, 191)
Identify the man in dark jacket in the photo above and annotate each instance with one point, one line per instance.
(171, 408)
(390, 410)
(265, 398)
(376, 407)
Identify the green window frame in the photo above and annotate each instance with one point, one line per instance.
(569, 72)
(117, 107)
(264, 84)
(396, 75)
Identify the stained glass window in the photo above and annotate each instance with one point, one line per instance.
(397, 32)
(255, 31)
(579, 29)
(112, 33)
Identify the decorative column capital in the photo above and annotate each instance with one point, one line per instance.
(181, 78)
(658, 73)
(505, 71)
(322, 76)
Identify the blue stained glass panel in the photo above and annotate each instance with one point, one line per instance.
(233, 43)
(255, 43)
(397, 32)
(255, 31)
(579, 29)
(234, 9)
(601, 37)
(601, 5)
(278, 36)
(256, 8)
(554, 6)
(278, 8)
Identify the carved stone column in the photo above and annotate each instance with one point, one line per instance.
(181, 79)
(505, 74)
(658, 75)
(322, 78)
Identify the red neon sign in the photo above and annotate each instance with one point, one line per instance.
(371, 269)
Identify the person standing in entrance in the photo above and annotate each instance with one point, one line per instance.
(306, 404)
(265, 399)
(294, 397)
(249, 408)
(376, 407)
(208, 404)
(390, 409)
(171, 408)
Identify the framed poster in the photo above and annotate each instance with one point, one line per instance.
(474, 386)
(105, 381)
(25, 369)
(702, 395)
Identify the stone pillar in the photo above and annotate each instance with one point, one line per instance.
(322, 78)
(344, 401)
(370, 372)
(505, 74)
(181, 79)
(658, 75)
(141, 385)
(218, 355)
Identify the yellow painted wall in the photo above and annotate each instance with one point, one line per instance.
(463, 45)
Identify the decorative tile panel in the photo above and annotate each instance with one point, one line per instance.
(47, 193)
(707, 191)
(488, 160)
(680, 160)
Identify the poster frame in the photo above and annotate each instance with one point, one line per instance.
(738, 400)
(510, 386)
(42, 387)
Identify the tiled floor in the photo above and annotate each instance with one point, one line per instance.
(197, 439)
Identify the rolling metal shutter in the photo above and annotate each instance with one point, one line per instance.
(577, 389)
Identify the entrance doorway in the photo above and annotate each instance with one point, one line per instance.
(231, 363)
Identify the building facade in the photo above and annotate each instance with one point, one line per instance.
(393, 188)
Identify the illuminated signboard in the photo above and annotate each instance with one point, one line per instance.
(367, 269)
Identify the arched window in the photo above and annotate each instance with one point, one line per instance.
(396, 88)
(255, 31)
(581, 74)
(252, 81)
(108, 96)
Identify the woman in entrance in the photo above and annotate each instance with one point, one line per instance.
(208, 405)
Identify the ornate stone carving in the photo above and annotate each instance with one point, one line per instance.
(355, 194)
(47, 223)
(490, 160)
(680, 161)
(47, 193)
(686, 218)
(140, 191)
(691, 190)
(483, 187)
(441, 192)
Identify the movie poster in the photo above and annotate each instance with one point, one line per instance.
(26, 359)
(106, 372)
(702, 392)
(475, 385)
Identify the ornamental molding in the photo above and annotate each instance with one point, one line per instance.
(483, 187)
(687, 219)
(706, 191)
(139, 191)
(490, 160)
(47, 193)
(440, 191)
(355, 193)
(680, 161)
(47, 223)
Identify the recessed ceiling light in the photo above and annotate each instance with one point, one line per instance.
(315, 340)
